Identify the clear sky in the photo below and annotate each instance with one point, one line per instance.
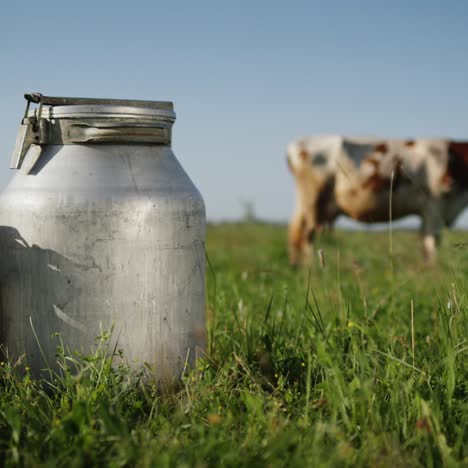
(246, 77)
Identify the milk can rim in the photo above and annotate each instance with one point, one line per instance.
(103, 111)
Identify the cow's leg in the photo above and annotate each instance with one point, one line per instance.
(330, 226)
(432, 224)
(296, 238)
(429, 248)
(309, 232)
(301, 234)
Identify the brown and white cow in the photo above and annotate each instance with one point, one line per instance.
(376, 180)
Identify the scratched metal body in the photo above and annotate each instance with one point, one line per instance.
(105, 234)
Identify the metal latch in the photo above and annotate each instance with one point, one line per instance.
(32, 135)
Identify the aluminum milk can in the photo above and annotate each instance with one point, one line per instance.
(101, 230)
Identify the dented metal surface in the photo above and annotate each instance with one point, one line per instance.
(105, 234)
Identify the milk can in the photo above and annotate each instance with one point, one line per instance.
(101, 231)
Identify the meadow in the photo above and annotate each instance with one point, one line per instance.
(357, 360)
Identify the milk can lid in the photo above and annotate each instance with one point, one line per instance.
(66, 121)
(69, 107)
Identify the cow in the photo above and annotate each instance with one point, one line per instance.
(375, 180)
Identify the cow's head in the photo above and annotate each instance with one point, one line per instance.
(312, 154)
(297, 157)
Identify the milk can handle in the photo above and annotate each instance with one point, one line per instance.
(115, 132)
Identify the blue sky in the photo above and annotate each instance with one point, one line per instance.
(246, 77)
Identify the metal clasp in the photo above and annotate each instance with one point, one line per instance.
(32, 135)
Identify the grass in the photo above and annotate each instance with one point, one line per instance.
(326, 366)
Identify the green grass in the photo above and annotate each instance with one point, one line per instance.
(309, 367)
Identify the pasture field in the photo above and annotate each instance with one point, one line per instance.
(361, 361)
